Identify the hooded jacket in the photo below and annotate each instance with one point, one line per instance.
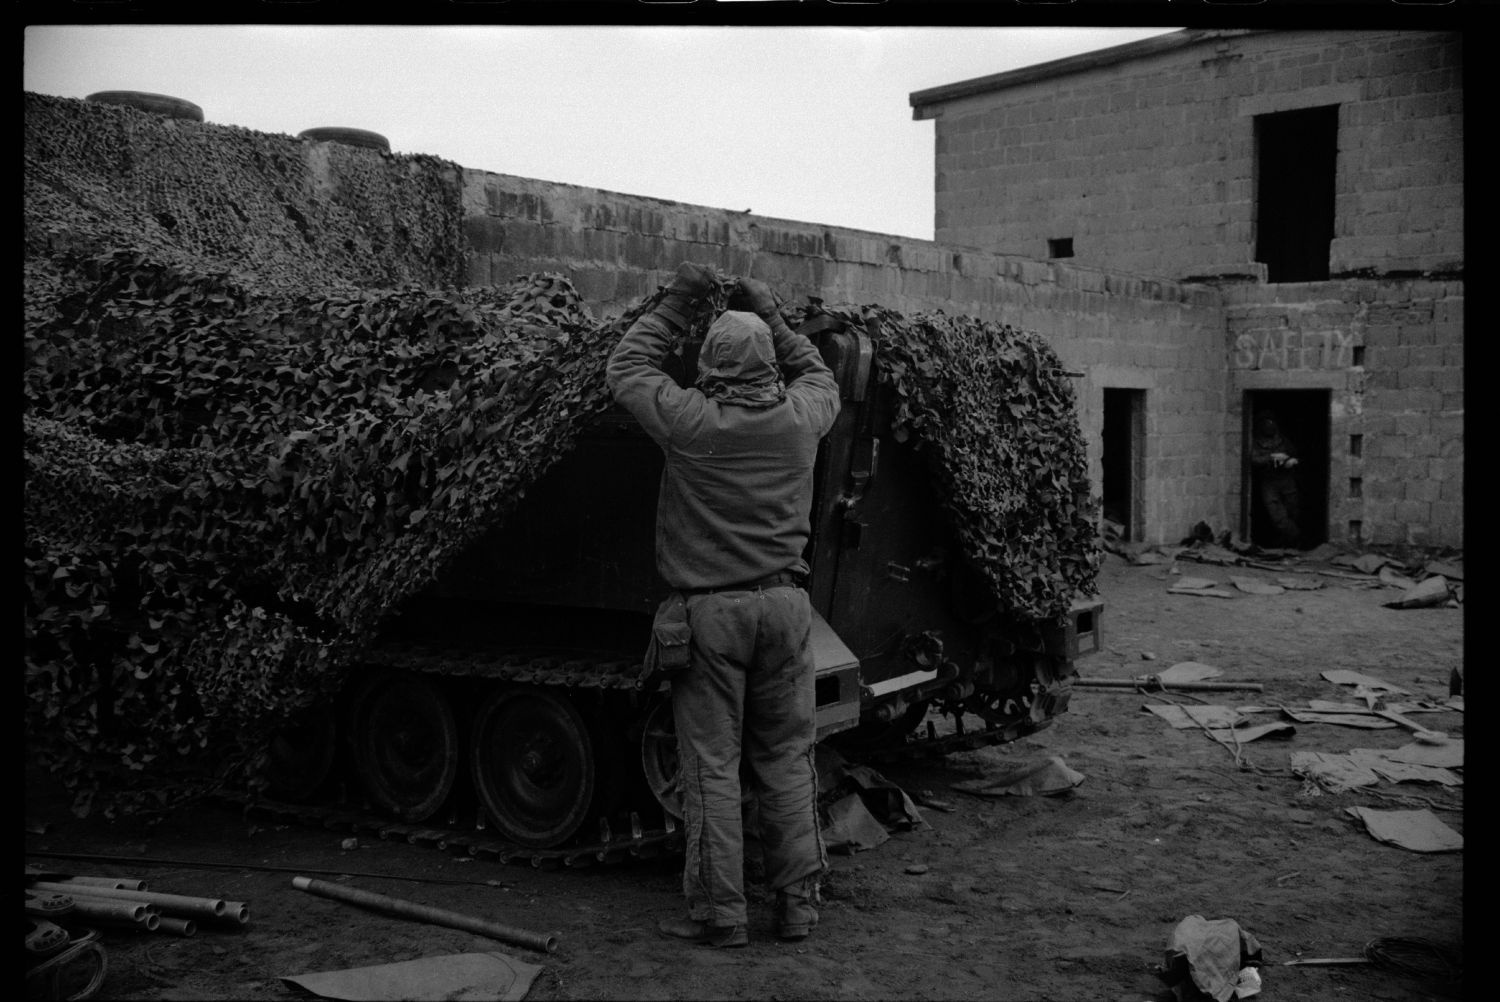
(736, 492)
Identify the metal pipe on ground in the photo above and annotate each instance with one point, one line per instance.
(178, 926)
(545, 942)
(150, 923)
(1154, 685)
(111, 910)
(211, 909)
(117, 883)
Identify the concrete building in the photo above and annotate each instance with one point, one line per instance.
(1313, 181)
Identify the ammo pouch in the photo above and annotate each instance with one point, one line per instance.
(671, 637)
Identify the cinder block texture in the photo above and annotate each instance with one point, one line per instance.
(1148, 164)
(1392, 355)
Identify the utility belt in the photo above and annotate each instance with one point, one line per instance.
(670, 650)
(776, 580)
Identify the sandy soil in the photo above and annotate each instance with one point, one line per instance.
(1022, 898)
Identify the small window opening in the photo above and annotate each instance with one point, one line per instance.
(1296, 155)
(1359, 354)
(1356, 527)
(1356, 487)
(1061, 247)
(1356, 445)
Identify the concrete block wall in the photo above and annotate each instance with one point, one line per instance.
(1391, 353)
(1148, 164)
(1119, 329)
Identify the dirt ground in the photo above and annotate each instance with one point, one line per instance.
(1022, 898)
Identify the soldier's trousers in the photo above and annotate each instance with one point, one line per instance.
(748, 691)
(1279, 496)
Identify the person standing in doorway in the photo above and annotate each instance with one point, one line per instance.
(1273, 462)
(733, 517)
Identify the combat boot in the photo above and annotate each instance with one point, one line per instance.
(796, 909)
(704, 934)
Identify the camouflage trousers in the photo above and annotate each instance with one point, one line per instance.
(748, 692)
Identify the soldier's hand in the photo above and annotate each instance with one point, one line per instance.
(758, 296)
(692, 280)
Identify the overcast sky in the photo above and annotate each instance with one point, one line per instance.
(800, 123)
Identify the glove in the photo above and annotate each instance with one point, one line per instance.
(692, 280)
(759, 297)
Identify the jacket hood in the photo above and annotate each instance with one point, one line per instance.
(737, 363)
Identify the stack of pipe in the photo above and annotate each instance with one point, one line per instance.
(126, 903)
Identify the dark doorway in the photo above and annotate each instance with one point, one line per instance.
(1302, 418)
(1297, 152)
(1124, 460)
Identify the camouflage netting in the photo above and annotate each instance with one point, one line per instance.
(287, 214)
(994, 411)
(231, 479)
(226, 491)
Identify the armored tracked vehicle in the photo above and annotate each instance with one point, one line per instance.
(511, 698)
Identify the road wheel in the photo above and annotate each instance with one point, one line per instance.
(301, 756)
(533, 765)
(659, 756)
(404, 743)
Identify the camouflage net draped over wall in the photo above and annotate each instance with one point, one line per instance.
(288, 214)
(230, 479)
(226, 492)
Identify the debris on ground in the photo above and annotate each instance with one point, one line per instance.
(1430, 592)
(886, 801)
(1202, 587)
(1254, 586)
(1370, 563)
(1154, 683)
(65, 913)
(862, 807)
(1343, 676)
(1345, 718)
(1419, 831)
(63, 963)
(1398, 770)
(1440, 568)
(1210, 554)
(401, 908)
(475, 976)
(1394, 579)
(1356, 580)
(1334, 773)
(1184, 717)
(1185, 671)
(849, 827)
(1185, 676)
(1299, 583)
(1204, 959)
(1226, 725)
(1038, 778)
(926, 798)
(1448, 755)
(1246, 733)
